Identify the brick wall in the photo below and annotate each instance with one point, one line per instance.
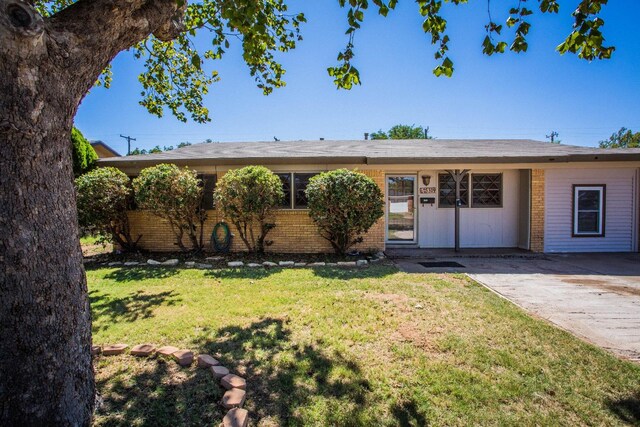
(537, 210)
(295, 232)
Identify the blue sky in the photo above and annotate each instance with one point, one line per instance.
(510, 96)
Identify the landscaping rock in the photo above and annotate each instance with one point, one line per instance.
(131, 263)
(362, 263)
(286, 263)
(167, 350)
(112, 350)
(233, 381)
(233, 398)
(380, 255)
(153, 262)
(235, 264)
(183, 357)
(346, 263)
(204, 361)
(300, 264)
(95, 350)
(219, 371)
(254, 265)
(143, 350)
(236, 417)
(214, 258)
(317, 264)
(200, 265)
(114, 263)
(269, 264)
(190, 263)
(375, 260)
(171, 262)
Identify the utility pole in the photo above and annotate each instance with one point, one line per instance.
(129, 139)
(553, 136)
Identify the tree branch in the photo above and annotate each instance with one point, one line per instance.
(90, 33)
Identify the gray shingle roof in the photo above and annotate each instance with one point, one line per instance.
(434, 151)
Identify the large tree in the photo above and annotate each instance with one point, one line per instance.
(51, 53)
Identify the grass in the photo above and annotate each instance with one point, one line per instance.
(339, 347)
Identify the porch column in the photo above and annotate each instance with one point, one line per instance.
(537, 210)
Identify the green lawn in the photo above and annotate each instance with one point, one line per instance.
(338, 347)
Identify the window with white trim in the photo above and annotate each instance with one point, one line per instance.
(588, 210)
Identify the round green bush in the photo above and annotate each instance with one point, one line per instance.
(103, 196)
(247, 197)
(344, 205)
(174, 194)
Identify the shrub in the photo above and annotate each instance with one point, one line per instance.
(173, 194)
(247, 198)
(344, 205)
(84, 156)
(103, 196)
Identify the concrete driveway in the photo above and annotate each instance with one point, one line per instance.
(594, 296)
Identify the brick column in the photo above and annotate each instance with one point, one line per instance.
(537, 210)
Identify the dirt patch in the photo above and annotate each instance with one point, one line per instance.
(411, 332)
(605, 286)
(89, 250)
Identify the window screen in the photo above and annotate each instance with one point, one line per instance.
(447, 191)
(286, 189)
(487, 190)
(300, 185)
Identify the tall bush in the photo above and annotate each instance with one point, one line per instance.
(247, 198)
(103, 196)
(84, 156)
(174, 194)
(344, 205)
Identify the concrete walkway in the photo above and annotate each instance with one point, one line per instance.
(594, 296)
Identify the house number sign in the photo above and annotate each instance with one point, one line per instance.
(427, 190)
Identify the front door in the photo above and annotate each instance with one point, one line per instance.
(401, 218)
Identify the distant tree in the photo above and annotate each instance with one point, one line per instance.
(103, 197)
(173, 194)
(153, 150)
(247, 198)
(344, 205)
(84, 156)
(624, 138)
(402, 132)
(157, 148)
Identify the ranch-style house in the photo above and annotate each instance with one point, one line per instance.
(525, 194)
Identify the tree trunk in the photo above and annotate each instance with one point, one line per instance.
(46, 376)
(46, 68)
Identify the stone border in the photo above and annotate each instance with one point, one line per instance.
(174, 262)
(236, 386)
